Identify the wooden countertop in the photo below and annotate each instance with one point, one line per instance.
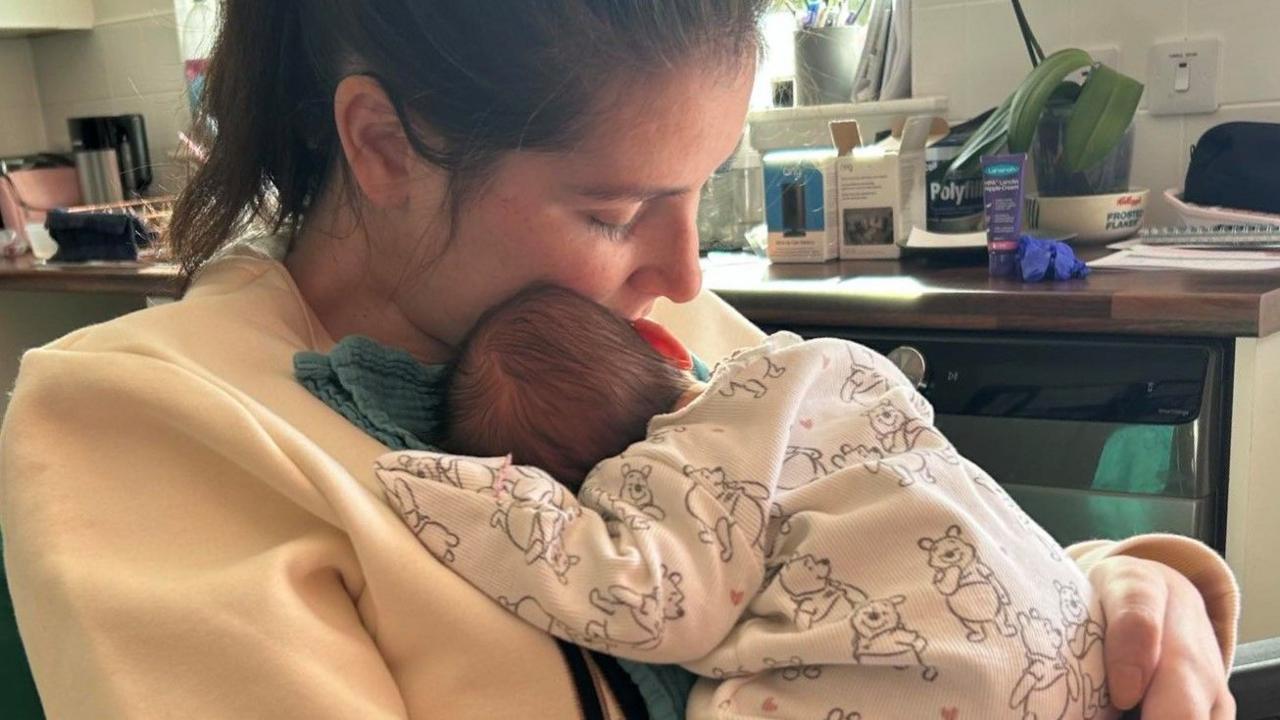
(924, 292)
(955, 293)
(24, 273)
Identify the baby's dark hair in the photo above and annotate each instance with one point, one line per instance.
(558, 381)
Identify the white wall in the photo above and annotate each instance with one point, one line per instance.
(21, 115)
(129, 63)
(970, 50)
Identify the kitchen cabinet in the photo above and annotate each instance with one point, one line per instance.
(33, 17)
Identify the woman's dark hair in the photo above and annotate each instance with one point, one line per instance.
(483, 77)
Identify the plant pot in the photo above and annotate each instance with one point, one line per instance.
(1109, 175)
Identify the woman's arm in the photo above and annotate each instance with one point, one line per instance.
(153, 575)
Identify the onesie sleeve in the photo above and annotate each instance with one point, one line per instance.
(653, 561)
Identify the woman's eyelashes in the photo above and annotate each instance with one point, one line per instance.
(612, 228)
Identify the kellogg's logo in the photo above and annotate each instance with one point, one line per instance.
(1134, 200)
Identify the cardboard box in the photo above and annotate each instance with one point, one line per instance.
(880, 188)
(799, 186)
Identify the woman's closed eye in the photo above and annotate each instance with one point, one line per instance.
(611, 231)
(612, 225)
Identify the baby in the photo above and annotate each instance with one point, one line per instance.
(795, 531)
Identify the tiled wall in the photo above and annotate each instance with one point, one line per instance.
(21, 116)
(970, 50)
(129, 63)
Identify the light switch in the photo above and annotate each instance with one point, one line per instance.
(1182, 77)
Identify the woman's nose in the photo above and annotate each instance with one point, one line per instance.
(669, 267)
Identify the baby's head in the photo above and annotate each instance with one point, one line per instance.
(557, 381)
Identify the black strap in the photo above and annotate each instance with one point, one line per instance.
(592, 706)
(623, 687)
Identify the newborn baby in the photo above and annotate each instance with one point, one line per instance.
(557, 382)
(795, 531)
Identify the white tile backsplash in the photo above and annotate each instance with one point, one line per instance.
(21, 116)
(939, 46)
(130, 62)
(71, 67)
(1250, 50)
(996, 59)
(1160, 162)
(144, 58)
(970, 51)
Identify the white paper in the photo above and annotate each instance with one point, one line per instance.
(1130, 260)
(925, 240)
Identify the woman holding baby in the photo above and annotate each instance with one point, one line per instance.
(192, 523)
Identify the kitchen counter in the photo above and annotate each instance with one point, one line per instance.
(931, 292)
(924, 292)
(153, 279)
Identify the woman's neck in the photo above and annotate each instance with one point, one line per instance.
(333, 273)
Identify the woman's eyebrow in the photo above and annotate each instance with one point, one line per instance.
(636, 193)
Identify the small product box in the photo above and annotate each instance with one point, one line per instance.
(880, 188)
(799, 186)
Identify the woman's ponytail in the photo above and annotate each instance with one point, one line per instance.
(265, 124)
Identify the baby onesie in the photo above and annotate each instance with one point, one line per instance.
(800, 536)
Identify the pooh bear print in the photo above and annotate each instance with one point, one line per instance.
(434, 536)
(756, 387)
(973, 593)
(1048, 683)
(863, 384)
(879, 637)
(636, 490)
(817, 596)
(909, 467)
(895, 431)
(635, 619)
(736, 504)
(1083, 636)
(534, 517)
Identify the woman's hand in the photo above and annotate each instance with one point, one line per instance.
(1160, 647)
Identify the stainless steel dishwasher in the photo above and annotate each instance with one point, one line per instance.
(1095, 437)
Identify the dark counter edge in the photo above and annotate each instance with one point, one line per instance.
(156, 280)
(1231, 316)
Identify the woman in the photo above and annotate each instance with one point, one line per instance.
(189, 532)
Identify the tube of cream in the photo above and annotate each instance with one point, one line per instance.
(1002, 190)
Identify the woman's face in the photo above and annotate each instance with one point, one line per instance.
(614, 219)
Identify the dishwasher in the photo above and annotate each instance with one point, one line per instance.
(1095, 437)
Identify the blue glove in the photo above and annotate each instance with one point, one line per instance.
(1048, 260)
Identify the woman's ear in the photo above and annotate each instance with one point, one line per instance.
(373, 140)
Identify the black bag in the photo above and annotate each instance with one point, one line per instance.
(1236, 165)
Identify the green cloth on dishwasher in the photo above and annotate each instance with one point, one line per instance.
(400, 402)
(1136, 459)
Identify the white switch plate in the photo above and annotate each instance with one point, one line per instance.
(1191, 64)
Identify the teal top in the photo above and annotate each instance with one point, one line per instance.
(400, 402)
